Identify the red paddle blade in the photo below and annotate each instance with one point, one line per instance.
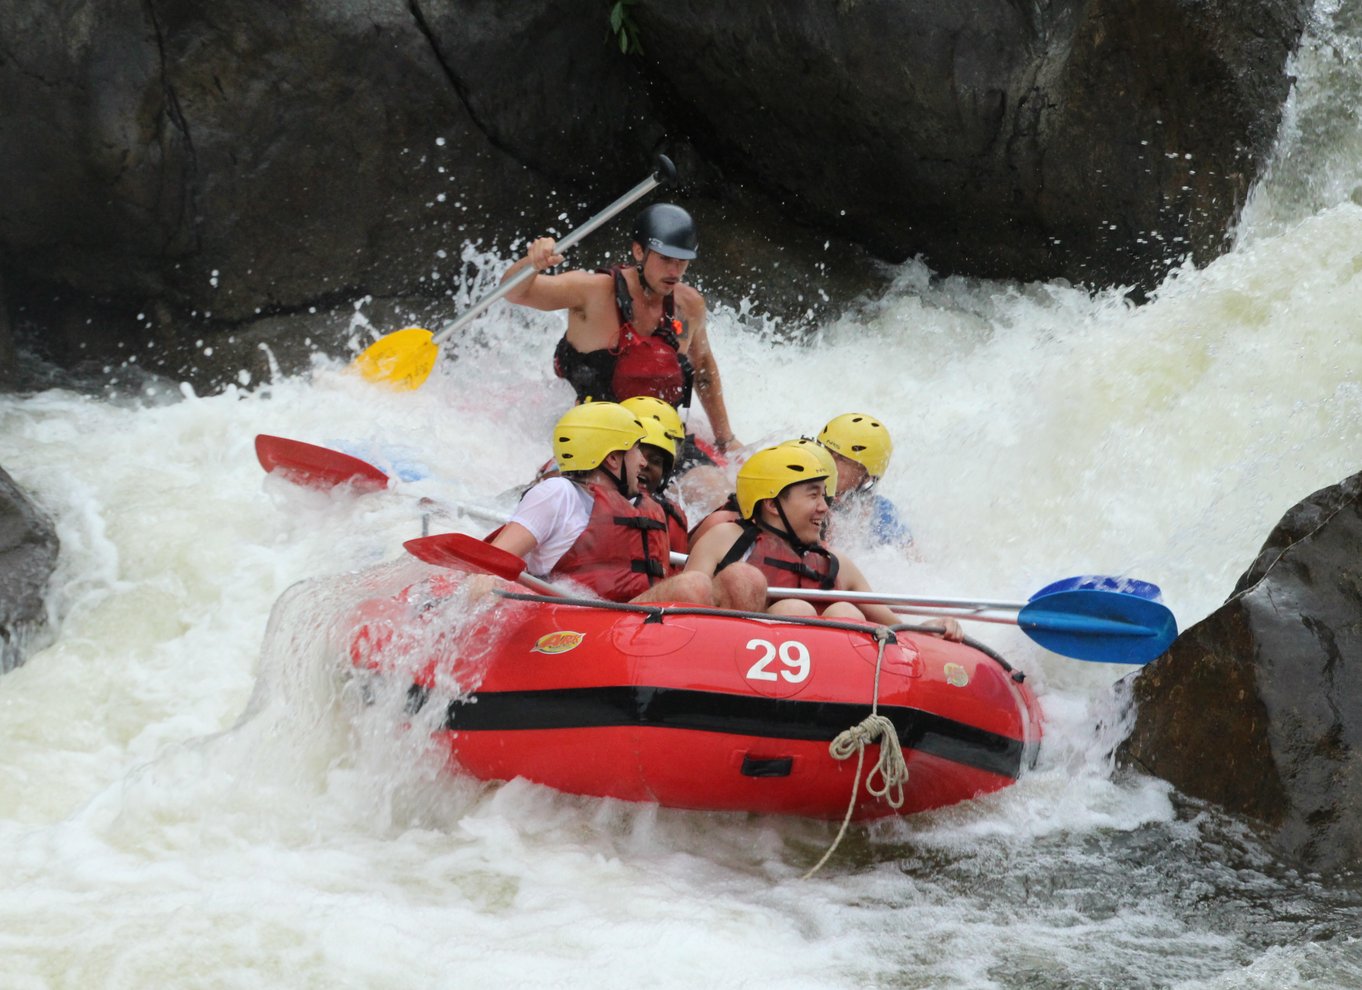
(461, 550)
(317, 467)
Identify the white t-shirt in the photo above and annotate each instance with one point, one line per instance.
(556, 512)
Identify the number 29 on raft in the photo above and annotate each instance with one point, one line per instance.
(795, 662)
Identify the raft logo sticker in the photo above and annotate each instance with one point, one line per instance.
(558, 642)
(956, 675)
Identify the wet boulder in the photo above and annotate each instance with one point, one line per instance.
(180, 163)
(175, 168)
(28, 555)
(1094, 140)
(1258, 707)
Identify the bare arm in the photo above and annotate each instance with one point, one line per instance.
(708, 386)
(709, 549)
(515, 539)
(716, 518)
(548, 292)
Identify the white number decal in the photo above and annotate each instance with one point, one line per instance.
(793, 654)
(758, 671)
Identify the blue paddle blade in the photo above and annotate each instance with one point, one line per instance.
(1097, 582)
(1105, 626)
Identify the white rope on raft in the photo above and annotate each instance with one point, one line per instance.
(890, 767)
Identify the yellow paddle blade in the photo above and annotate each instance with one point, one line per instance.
(402, 359)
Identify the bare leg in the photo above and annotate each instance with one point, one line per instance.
(691, 586)
(741, 587)
(844, 610)
(792, 606)
(797, 606)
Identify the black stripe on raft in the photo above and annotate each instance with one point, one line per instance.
(741, 715)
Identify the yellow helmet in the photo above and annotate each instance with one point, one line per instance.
(589, 433)
(656, 435)
(859, 437)
(646, 408)
(824, 457)
(769, 472)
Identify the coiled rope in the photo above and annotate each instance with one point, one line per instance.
(891, 768)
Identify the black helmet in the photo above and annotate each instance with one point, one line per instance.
(666, 229)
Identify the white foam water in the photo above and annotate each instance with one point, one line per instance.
(192, 795)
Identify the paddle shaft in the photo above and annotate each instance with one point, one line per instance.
(664, 173)
(1035, 615)
(876, 598)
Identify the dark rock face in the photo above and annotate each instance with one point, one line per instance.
(1259, 706)
(28, 555)
(172, 167)
(1097, 141)
(9, 358)
(234, 159)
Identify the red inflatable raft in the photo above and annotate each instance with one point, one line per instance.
(705, 709)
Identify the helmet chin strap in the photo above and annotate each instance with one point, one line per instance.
(788, 533)
(621, 480)
(638, 266)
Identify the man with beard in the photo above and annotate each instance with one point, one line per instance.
(635, 329)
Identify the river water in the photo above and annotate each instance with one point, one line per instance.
(189, 796)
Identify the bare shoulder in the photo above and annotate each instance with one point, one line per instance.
(590, 282)
(579, 290)
(592, 317)
(710, 548)
(690, 304)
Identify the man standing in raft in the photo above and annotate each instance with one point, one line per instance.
(592, 525)
(633, 329)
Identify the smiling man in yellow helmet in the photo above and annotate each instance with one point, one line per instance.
(727, 512)
(783, 503)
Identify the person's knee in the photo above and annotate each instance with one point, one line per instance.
(689, 587)
(741, 587)
(792, 606)
(697, 588)
(844, 610)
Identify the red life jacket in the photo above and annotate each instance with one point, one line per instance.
(781, 564)
(624, 549)
(637, 364)
(676, 525)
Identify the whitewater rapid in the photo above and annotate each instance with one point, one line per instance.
(190, 798)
